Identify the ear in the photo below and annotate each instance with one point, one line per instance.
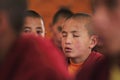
(93, 41)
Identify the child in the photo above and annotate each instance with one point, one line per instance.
(78, 40)
(34, 23)
(56, 27)
(107, 25)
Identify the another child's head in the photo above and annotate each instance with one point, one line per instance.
(78, 39)
(58, 20)
(34, 23)
(106, 19)
(11, 22)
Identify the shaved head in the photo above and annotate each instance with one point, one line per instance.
(85, 19)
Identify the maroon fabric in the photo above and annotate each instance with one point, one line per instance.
(90, 68)
(33, 58)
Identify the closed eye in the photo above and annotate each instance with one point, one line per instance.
(64, 34)
(76, 36)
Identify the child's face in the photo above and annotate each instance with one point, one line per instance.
(34, 26)
(76, 41)
(56, 31)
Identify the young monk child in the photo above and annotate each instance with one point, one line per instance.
(34, 23)
(106, 20)
(56, 28)
(78, 40)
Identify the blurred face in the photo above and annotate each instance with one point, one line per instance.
(7, 35)
(56, 31)
(76, 42)
(34, 26)
(107, 25)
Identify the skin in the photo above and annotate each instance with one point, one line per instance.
(56, 32)
(34, 26)
(76, 42)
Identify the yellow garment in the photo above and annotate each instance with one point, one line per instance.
(74, 68)
(115, 73)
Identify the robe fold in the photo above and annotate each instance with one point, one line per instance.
(33, 58)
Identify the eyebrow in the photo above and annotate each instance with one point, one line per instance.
(74, 31)
(39, 27)
(27, 27)
(71, 31)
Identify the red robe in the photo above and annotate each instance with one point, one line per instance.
(33, 58)
(89, 67)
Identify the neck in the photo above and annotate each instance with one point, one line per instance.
(80, 59)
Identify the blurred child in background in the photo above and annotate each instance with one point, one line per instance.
(56, 26)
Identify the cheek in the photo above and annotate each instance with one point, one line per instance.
(79, 48)
(63, 42)
(42, 34)
(78, 44)
(81, 44)
(57, 34)
(55, 31)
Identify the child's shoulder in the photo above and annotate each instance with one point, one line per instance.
(97, 56)
(94, 58)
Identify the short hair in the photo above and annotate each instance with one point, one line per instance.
(15, 12)
(32, 13)
(84, 17)
(110, 4)
(63, 12)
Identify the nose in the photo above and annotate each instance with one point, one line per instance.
(34, 32)
(68, 40)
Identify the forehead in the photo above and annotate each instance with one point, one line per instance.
(33, 20)
(74, 25)
(60, 21)
(34, 23)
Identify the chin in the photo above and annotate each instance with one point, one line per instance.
(69, 55)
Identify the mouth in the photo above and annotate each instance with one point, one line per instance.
(68, 50)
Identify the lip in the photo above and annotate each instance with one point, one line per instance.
(68, 50)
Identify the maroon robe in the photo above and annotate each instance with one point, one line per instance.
(33, 58)
(91, 69)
